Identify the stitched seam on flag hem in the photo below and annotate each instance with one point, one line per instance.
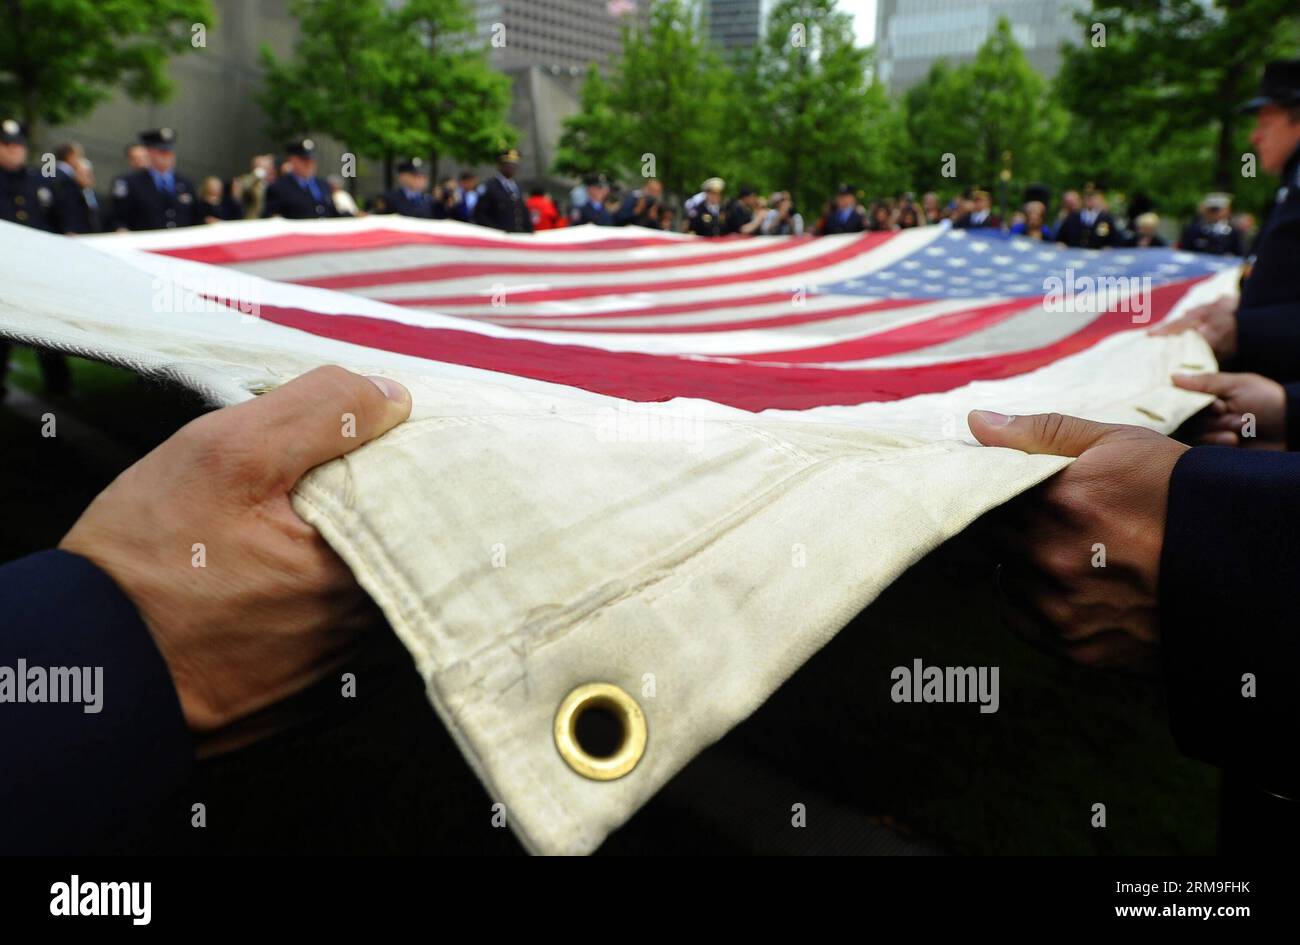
(202, 380)
(682, 560)
(349, 541)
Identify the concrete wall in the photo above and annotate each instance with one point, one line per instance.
(220, 125)
(213, 107)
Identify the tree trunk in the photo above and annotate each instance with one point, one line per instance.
(1226, 160)
(28, 115)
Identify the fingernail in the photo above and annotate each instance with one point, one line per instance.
(392, 390)
(994, 419)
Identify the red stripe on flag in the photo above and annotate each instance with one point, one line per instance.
(855, 248)
(771, 321)
(469, 270)
(645, 377)
(922, 334)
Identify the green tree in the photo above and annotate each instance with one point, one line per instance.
(592, 135)
(927, 106)
(815, 116)
(966, 124)
(61, 58)
(669, 96)
(443, 90)
(1153, 98)
(389, 80)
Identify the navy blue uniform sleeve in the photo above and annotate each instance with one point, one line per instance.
(1268, 341)
(77, 773)
(1292, 416)
(1228, 606)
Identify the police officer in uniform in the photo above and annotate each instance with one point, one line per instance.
(1260, 331)
(300, 194)
(78, 206)
(1092, 227)
(844, 216)
(25, 196)
(501, 204)
(1212, 231)
(156, 197)
(137, 159)
(28, 199)
(411, 197)
(593, 211)
(704, 211)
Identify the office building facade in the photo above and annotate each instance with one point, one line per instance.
(911, 35)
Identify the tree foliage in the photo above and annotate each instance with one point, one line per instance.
(389, 80)
(816, 118)
(801, 113)
(991, 114)
(664, 107)
(1154, 99)
(61, 58)
(592, 137)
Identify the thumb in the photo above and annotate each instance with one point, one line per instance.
(1175, 327)
(1053, 434)
(326, 413)
(1218, 384)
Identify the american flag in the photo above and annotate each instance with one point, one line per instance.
(546, 520)
(780, 322)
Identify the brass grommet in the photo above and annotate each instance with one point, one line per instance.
(623, 707)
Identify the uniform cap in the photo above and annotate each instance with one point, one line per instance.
(12, 132)
(159, 139)
(1279, 86)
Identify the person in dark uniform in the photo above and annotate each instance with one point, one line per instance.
(705, 212)
(981, 215)
(74, 190)
(156, 197)
(1092, 226)
(501, 203)
(745, 214)
(593, 211)
(464, 198)
(411, 197)
(1212, 231)
(1209, 591)
(1260, 330)
(137, 159)
(28, 199)
(642, 207)
(300, 194)
(844, 216)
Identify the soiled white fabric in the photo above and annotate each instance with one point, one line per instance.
(525, 538)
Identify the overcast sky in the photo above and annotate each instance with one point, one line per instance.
(864, 19)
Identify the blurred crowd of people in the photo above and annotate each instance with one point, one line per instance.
(152, 194)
